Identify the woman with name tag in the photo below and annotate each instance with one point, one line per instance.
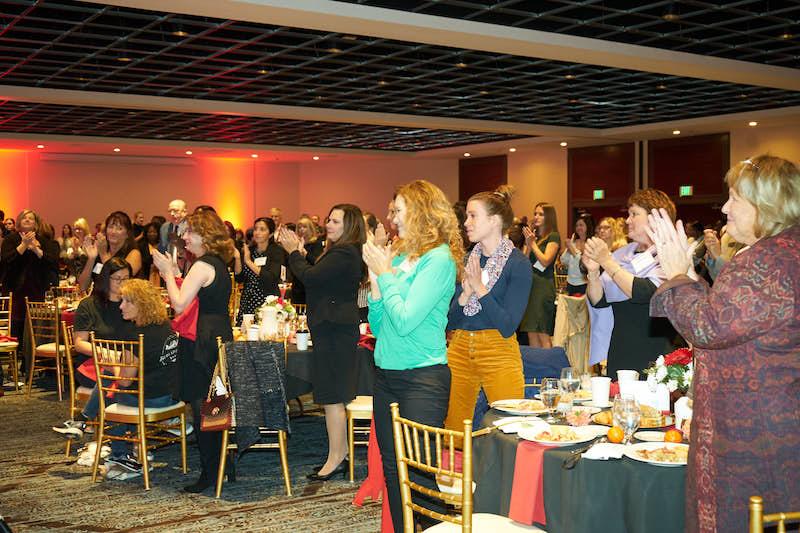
(541, 244)
(619, 294)
(486, 310)
(261, 272)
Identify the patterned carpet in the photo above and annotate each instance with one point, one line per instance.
(41, 490)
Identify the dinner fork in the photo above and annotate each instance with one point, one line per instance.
(570, 462)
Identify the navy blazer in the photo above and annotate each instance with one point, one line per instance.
(331, 284)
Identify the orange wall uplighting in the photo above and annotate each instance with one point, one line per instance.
(228, 184)
(13, 181)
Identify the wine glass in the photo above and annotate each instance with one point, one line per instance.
(283, 287)
(550, 392)
(626, 415)
(570, 381)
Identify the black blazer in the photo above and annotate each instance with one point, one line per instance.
(331, 284)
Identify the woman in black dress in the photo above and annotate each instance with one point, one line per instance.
(261, 268)
(207, 239)
(331, 290)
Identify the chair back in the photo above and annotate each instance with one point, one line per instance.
(233, 301)
(42, 322)
(68, 335)
(120, 367)
(300, 309)
(5, 314)
(413, 448)
(758, 519)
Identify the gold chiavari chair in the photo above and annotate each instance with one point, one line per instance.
(758, 519)
(300, 309)
(359, 409)
(235, 298)
(421, 447)
(8, 349)
(119, 359)
(46, 348)
(78, 396)
(229, 447)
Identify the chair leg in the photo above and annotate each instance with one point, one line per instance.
(183, 442)
(15, 370)
(68, 448)
(287, 481)
(143, 455)
(59, 376)
(30, 372)
(223, 455)
(350, 443)
(98, 447)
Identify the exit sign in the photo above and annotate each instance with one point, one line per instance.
(598, 194)
(686, 190)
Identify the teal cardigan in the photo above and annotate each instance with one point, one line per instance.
(410, 318)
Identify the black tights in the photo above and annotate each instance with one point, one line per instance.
(209, 443)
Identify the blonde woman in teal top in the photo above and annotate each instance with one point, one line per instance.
(411, 288)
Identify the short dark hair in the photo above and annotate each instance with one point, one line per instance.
(268, 221)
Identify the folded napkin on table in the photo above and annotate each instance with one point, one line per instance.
(604, 450)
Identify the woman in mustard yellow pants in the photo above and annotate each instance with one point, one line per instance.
(486, 310)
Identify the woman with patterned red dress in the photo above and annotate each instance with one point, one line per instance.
(745, 430)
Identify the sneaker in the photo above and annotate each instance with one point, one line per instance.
(71, 428)
(118, 473)
(126, 462)
(86, 454)
(177, 430)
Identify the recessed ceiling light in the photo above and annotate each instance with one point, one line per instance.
(315, 158)
(349, 37)
(334, 50)
(484, 92)
(467, 154)
(563, 143)
(116, 149)
(39, 146)
(461, 64)
(752, 123)
(573, 100)
(661, 86)
(254, 156)
(512, 149)
(124, 59)
(263, 71)
(676, 132)
(180, 33)
(786, 35)
(382, 82)
(570, 76)
(671, 17)
(188, 152)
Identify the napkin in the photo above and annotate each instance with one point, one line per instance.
(604, 451)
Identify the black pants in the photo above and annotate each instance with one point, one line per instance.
(423, 395)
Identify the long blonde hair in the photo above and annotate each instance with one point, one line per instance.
(429, 222)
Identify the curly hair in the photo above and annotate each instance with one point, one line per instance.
(649, 199)
(772, 185)
(429, 222)
(214, 234)
(147, 299)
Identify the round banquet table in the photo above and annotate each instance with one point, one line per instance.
(615, 496)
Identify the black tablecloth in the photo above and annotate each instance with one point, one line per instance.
(298, 372)
(617, 496)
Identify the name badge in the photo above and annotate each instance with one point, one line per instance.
(97, 268)
(539, 266)
(642, 262)
(484, 277)
(260, 261)
(283, 273)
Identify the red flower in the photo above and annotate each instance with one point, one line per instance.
(681, 356)
(280, 300)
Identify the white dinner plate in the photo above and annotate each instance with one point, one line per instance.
(520, 407)
(649, 436)
(583, 434)
(634, 450)
(590, 403)
(576, 399)
(585, 409)
(512, 424)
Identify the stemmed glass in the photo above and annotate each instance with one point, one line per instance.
(550, 393)
(570, 381)
(283, 287)
(626, 415)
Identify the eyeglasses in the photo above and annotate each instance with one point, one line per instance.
(118, 279)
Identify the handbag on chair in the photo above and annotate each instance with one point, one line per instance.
(216, 413)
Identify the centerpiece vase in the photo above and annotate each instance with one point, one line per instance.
(269, 323)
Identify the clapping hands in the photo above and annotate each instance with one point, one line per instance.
(673, 248)
(377, 258)
(289, 240)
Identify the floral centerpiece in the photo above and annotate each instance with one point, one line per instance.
(276, 316)
(675, 370)
(280, 305)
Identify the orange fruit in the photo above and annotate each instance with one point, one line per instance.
(615, 434)
(673, 435)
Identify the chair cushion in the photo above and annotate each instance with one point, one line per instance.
(8, 345)
(48, 349)
(119, 409)
(83, 392)
(485, 522)
(360, 403)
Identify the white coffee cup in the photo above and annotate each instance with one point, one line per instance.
(252, 333)
(601, 387)
(302, 340)
(247, 321)
(627, 375)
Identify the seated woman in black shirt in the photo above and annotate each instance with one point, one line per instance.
(142, 304)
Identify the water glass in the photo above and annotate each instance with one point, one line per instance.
(550, 393)
(570, 381)
(626, 415)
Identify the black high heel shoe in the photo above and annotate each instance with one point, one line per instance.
(342, 468)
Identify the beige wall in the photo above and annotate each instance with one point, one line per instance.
(369, 184)
(783, 141)
(539, 174)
